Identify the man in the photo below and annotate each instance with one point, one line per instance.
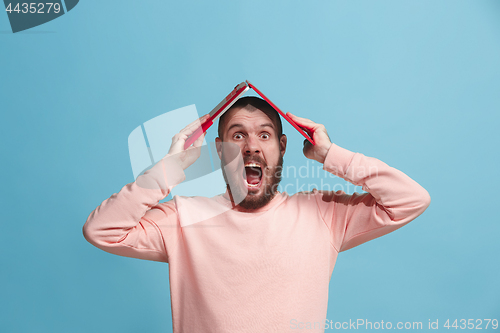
(253, 259)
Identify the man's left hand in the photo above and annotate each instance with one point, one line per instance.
(319, 135)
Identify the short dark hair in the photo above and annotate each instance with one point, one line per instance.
(257, 103)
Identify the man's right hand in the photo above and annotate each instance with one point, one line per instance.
(186, 157)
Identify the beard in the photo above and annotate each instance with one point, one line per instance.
(271, 177)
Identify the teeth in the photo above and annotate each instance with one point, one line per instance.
(252, 165)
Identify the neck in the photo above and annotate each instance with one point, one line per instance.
(244, 209)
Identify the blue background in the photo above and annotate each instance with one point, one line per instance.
(413, 83)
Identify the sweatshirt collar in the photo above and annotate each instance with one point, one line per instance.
(225, 200)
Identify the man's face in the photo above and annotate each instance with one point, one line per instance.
(255, 134)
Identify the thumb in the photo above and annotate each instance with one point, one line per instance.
(307, 147)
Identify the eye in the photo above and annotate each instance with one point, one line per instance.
(237, 136)
(265, 136)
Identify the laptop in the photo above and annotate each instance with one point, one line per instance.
(228, 101)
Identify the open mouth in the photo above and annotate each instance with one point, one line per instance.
(252, 175)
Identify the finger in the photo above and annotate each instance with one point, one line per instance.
(198, 142)
(307, 143)
(303, 122)
(309, 129)
(180, 138)
(189, 129)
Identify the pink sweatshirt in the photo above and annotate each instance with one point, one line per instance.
(266, 271)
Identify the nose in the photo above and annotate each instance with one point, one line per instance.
(251, 146)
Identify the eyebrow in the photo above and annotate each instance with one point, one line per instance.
(241, 125)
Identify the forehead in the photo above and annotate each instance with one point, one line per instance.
(248, 117)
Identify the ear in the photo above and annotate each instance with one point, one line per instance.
(218, 146)
(283, 144)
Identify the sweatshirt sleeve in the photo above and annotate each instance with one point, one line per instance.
(130, 222)
(393, 199)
